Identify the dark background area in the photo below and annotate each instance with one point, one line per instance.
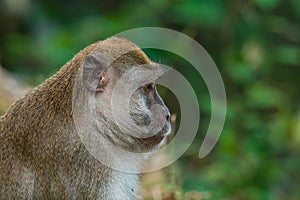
(255, 45)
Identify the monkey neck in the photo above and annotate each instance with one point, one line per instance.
(44, 116)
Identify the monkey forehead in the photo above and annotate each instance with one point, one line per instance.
(116, 49)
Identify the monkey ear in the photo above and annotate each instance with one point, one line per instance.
(94, 72)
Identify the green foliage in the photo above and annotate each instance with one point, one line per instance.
(255, 44)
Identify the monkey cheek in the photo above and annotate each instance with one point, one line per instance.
(140, 119)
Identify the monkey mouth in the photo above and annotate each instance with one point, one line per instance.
(160, 136)
(154, 140)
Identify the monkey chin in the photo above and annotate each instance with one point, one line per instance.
(159, 140)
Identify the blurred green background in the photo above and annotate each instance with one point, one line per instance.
(255, 45)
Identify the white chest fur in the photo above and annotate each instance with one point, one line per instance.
(121, 186)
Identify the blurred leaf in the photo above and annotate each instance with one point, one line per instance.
(287, 55)
(261, 95)
(241, 72)
(296, 6)
(266, 4)
(199, 12)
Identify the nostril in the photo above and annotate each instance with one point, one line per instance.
(168, 117)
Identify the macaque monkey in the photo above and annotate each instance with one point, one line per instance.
(41, 153)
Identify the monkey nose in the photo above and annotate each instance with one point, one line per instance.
(168, 117)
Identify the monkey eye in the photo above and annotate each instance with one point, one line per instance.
(150, 87)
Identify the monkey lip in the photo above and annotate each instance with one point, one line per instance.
(156, 139)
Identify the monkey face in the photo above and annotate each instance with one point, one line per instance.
(141, 104)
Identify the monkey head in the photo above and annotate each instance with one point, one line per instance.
(128, 109)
